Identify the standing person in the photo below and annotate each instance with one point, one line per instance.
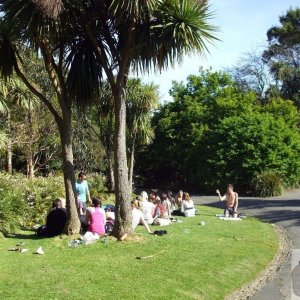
(187, 206)
(232, 201)
(95, 217)
(83, 192)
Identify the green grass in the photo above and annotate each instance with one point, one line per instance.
(203, 262)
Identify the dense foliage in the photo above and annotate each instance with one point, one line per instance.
(214, 133)
(25, 203)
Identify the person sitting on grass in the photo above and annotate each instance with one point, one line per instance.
(137, 215)
(179, 199)
(95, 217)
(56, 220)
(147, 208)
(187, 206)
(232, 201)
(161, 215)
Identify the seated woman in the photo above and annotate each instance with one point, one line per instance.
(147, 208)
(187, 206)
(137, 215)
(161, 214)
(56, 220)
(95, 217)
(179, 199)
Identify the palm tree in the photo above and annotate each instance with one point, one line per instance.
(23, 26)
(82, 40)
(141, 101)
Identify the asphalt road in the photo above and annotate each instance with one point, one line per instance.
(283, 211)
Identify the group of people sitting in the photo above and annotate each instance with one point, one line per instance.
(146, 210)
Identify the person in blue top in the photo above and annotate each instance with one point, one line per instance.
(82, 190)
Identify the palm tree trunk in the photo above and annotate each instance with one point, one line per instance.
(73, 224)
(131, 164)
(30, 173)
(111, 177)
(123, 209)
(9, 145)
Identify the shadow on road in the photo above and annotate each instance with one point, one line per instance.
(271, 211)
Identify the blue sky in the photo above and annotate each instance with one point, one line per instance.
(242, 28)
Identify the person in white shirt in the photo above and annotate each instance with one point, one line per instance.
(137, 216)
(187, 206)
(147, 208)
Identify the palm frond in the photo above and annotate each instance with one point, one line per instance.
(83, 73)
(7, 51)
(176, 28)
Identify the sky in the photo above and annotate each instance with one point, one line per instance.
(242, 24)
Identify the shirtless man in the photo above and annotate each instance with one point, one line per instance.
(232, 201)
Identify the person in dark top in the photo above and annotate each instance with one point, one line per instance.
(56, 220)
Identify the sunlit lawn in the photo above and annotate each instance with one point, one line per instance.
(198, 262)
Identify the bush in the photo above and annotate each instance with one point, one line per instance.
(96, 183)
(24, 203)
(267, 184)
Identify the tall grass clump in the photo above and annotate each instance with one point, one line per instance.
(267, 184)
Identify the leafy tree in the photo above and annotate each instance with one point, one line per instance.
(283, 55)
(214, 133)
(90, 38)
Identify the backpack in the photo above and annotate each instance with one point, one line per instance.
(109, 226)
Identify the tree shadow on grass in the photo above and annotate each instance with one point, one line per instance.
(24, 236)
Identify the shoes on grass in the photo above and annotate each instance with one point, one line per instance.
(160, 232)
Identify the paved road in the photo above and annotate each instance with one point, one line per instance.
(283, 211)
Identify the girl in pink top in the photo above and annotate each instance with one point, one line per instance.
(95, 217)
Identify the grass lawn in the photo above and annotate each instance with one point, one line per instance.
(198, 262)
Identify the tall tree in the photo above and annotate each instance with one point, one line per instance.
(141, 101)
(23, 25)
(283, 54)
(106, 37)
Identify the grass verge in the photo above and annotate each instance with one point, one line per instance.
(198, 262)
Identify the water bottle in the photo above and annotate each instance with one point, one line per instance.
(105, 240)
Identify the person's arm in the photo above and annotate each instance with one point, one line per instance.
(236, 202)
(220, 197)
(182, 207)
(142, 221)
(88, 193)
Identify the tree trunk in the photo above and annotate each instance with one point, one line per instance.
(9, 145)
(111, 177)
(123, 208)
(73, 224)
(30, 172)
(131, 164)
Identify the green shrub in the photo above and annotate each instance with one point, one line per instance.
(11, 207)
(96, 184)
(267, 184)
(24, 203)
